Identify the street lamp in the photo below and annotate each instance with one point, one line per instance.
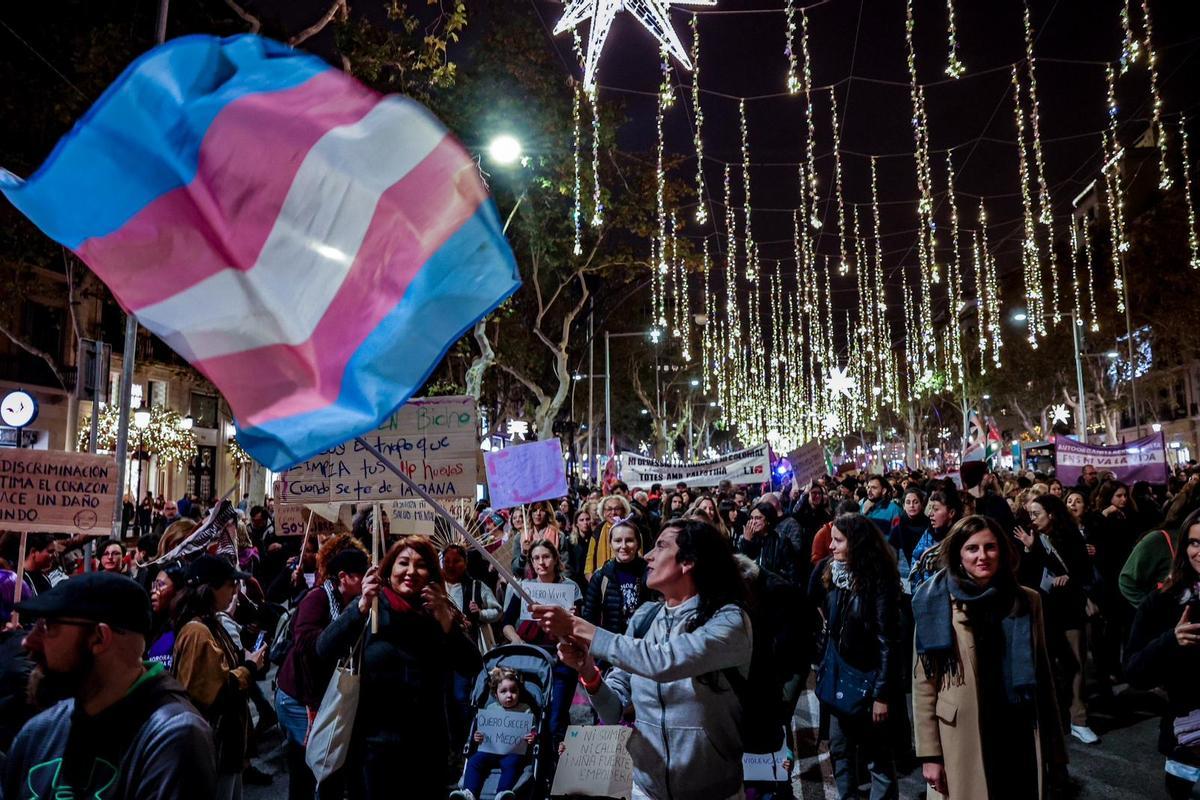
(505, 149)
(141, 421)
(186, 423)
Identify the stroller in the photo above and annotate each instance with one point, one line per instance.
(535, 667)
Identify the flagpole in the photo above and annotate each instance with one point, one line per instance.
(502, 570)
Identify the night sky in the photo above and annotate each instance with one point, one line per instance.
(859, 47)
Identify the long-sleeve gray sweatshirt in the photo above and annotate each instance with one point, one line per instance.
(686, 744)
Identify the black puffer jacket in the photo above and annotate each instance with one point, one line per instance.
(865, 628)
(603, 603)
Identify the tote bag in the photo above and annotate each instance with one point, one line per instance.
(329, 736)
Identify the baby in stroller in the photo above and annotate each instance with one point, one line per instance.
(506, 686)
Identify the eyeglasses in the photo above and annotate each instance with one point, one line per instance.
(44, 627)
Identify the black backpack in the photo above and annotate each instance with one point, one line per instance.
(761, 729)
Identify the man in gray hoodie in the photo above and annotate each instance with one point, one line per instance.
(687, 744)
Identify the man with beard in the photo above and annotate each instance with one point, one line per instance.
(121, 729)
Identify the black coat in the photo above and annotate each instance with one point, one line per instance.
(865, 628)
(1065, 606)
(406, 667)
(779, 554)
(1153, 658)
(603, 604)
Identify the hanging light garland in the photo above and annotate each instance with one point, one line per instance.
(1114, 191)
(881, 332)
(955, 289)
(954, 67)
(1075, 284)
(1193, 239)
(1090, 283)
(991, 291)
(660, 264)
(597, 203)
(1160, 130)
(810, 141)
(577, 205)
(701, 205)
(751, 249)
(1045, 206)
(1031, 268)
(843, 264)
(789, 13)
(163, 437)
(1130, 48)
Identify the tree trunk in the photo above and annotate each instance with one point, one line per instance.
(486, 357)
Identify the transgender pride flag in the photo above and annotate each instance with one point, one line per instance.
(309, 245)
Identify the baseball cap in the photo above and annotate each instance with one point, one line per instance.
(104, 597)
(213, 571)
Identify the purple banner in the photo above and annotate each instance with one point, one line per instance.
(1140, 460)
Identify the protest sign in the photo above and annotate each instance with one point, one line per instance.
(595, 763)
(549, 594)
(433, 440)
(289, 519)
(57, 492)
(410, 517)
(526, 473)
(1142, 459)
(503, 731)
(808, 462)
(752, 465)
(765, 766)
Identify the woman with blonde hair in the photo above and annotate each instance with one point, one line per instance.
(540, 525)
(705, 507)
(613, 508)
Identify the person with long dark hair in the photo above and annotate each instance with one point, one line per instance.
(761, 543)
(1164, 651)
(215, 670)
(686, 744)
(857, 592)
(945, 509)
(400, 727)
(984, 705)
(1055, 563)
(167, 584)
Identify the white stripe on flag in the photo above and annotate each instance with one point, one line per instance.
(312, 245)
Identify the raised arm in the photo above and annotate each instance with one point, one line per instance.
(722, 642)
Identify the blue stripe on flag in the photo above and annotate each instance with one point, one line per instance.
(464, 281)
(158, 111)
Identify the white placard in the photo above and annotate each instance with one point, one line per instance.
(766, 767)
(549, 594)
(752, 465)
(595, 763)
(503, 731)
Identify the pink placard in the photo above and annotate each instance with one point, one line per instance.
(526, 473)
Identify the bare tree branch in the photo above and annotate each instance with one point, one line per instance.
(42, 354)
(534, 389)
(321, 24)
(253, 21)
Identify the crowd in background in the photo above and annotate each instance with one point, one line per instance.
(960, 626)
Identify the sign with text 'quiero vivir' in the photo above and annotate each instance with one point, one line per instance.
(57, 492)
(433, 440)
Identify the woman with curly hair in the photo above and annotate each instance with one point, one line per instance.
(686, 742)
(303, 675)
(400, 727)
(857, 590)
(540, 525)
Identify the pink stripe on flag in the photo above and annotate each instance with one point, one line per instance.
(248, 159)
(413, 219)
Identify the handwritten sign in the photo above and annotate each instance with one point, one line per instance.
(765, 766)
(526, 473)
(562, 595)
(434, 441)
(808, 462)
(410, 517)
(595, 763)
(57, 492)
(289, 519)
(503, 731)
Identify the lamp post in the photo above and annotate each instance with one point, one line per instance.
(141, 421)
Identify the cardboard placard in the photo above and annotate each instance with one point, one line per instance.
(410, 517)
(434, 440)
(526, 473)
(595, 763)
(808, 462)
(549, 594)
(503, 731)
(289, 519)
(57, 492)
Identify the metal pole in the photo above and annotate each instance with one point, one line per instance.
(591, 394)
(607, 393)
(1081, 411)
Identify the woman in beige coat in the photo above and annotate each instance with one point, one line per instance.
(983, 699)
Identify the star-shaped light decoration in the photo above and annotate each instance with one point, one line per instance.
(517, 429)
(1060, 415)
(839, 382)
(653, 14)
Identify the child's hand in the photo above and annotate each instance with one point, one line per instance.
(531, 737)
(562, 748)
(478, 737)
(787, 765)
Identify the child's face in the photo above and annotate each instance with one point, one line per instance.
(508, 693)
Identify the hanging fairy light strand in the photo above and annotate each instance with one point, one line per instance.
(660, 264)
(954, 67)
(843, 264)
(701, 205)
(1031, 268)
(1156, 103)
(811, 138)
(577, 204)
(751, 250)
(954, 290)
(789, 13)
(1186, 165)
(1089, 265)
(1045, 207)
(597, 202)
(1130, 48)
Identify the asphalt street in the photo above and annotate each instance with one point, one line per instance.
(1125, 763)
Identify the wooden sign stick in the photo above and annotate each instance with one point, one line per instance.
(376, 535)
(20, 576)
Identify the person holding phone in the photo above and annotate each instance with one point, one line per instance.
(1164, 651)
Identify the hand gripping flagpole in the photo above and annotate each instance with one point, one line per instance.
(454, 523)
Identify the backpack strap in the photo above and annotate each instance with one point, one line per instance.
(644, 617)
(1170, 544)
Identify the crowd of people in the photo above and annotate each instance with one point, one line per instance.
(961, 627)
